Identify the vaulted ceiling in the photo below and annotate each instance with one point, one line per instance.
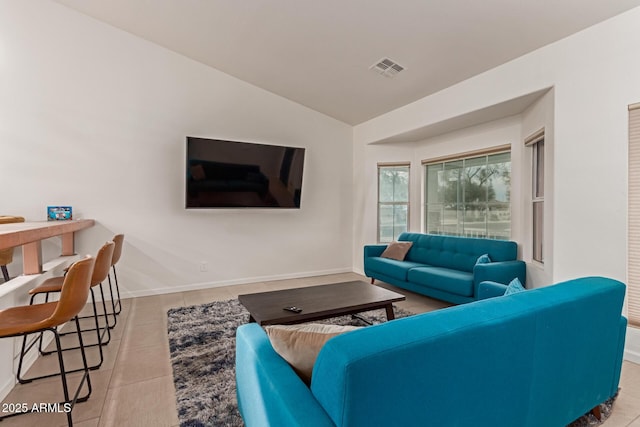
(319, 52)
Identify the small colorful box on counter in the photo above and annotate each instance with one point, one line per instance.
(59, 213)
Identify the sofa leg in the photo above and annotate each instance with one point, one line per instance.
(372, 280)
(597, 413)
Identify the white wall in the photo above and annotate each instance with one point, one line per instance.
(365, 200)
(495, 133)
(538, 116)
(499, 132)
(96, 118)
(595, 75)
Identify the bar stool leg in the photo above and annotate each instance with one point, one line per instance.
(40, 349)
(115, 276)
(106, 316)
(86, 368)
(114, 312)
(97, 329)
(95, 316)
(63, 374)
(5, 272)
(22, 352)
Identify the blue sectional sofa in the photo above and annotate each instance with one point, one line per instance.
(444, 267)
(540, 357)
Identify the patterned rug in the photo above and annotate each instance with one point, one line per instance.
(202, 346)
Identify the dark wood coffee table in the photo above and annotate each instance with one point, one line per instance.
(318, 302)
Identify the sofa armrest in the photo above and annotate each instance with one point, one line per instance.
(488, 289)
(501, 272)
(269, 392)
(618, 368)
(373, 250)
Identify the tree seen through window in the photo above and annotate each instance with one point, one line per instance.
(469, 197)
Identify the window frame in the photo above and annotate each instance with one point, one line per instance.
(633, 218)
(536, 143)
(460, 157)
(381, 166)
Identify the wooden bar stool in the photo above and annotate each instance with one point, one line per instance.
(29, 319)
(100, 272)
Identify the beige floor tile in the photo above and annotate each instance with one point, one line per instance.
(350, 277)
(630, 380)
(414, 303)
(625, 410)
(207, 295)
(88, 325)
(73, 360)
(146, 314)
(141, 364)
(88, 423)
(50, 390)
(236, 290)
(69, 336)
(162, 302)
(145, 403)
(145, 335)
(313, 281)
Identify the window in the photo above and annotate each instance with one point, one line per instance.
(536, 144)
(633, 227)
(469, 195)
(393, 201)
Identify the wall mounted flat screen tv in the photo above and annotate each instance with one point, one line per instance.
(233, 174)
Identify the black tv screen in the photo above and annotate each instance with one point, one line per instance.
(233, 174)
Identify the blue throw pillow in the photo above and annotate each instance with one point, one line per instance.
(514, 287)
(483, 259)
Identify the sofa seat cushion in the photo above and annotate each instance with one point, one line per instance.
(444, 279)
(391, 267)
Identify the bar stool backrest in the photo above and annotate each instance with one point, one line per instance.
(117, 252)
(75, 292)
(103, 263)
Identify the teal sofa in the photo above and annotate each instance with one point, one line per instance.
(540, 357)
(444, 267)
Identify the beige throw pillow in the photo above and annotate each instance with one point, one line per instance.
(299, 345)
(397, 250)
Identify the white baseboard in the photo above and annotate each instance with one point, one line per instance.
(632, 356)
(242, 281)
(632, 345)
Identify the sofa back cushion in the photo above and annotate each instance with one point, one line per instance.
(458, 253)
(485, 363)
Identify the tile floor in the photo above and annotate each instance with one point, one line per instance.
(134, 386)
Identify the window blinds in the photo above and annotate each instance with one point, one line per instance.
(633, 285)
(469, 154)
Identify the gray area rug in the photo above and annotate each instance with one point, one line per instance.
(202, 346)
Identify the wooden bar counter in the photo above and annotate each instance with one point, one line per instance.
(29, 235)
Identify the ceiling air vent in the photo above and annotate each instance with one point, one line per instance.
(387, 67)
